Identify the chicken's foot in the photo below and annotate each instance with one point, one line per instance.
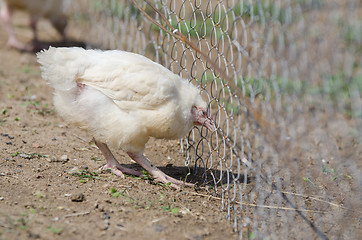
(112, 162)
(156, 173)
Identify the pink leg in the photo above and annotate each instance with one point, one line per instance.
(112, 162)
(37, 45)
(157, 174)
(12, 41)
(33, 23)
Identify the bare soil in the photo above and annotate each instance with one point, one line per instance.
(48, 188)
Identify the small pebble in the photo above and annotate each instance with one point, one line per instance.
(7, 135)
(34, 235)
(37, 145)
(24, 155)
(78, 197)
(158, 228)
(104, 225)
(120, 226)
(106, 216)
(33, 97)
(74, 170)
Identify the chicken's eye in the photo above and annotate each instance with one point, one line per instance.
(203, 113)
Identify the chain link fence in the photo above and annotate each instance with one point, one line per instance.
(283, 80)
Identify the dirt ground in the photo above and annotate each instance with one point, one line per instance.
(48, 189)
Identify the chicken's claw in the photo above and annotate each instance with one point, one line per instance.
(112, 162)
(157, 174)
(170, 181)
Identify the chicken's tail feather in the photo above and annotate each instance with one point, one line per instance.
(61, 66)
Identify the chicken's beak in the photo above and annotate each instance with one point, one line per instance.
(209, 123)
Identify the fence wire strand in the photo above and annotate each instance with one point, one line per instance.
(283, 80)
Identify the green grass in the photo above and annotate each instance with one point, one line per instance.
(328, 170)
(263, 10)
(3, 119)
(198, 25)
(205, 25)
(96, 159)
(115, 193)
(170, 209)
(147, 176)
(163, 203)
(251, 235)
(22, 222)
(194, 28)
(338, 88)
(308, 180)
(29, 155)
(55, 230)
(85, 175)
(39, 108)
(117, 9)
(40, 194)
(351, 34)
(335, 89)
(30, 70)
(32, 210)
(251, 86)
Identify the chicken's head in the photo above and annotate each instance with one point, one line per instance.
(201, 117)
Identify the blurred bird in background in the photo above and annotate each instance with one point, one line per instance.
(123, 99)
(53, 10)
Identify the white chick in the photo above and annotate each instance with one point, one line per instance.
(123, 99)
(49, 9)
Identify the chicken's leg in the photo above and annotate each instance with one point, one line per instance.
(12, 41)
(112, 162)
(156, 173)
(36, 45)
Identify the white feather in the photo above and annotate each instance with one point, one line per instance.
(122, 98)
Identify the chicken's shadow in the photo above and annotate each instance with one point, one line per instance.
(200, 178)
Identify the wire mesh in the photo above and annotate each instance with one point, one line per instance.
(283, 81)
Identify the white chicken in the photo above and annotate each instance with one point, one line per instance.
(123, 99)
(50, 9)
